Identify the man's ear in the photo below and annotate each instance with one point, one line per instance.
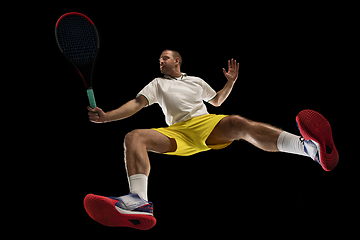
(177, 61)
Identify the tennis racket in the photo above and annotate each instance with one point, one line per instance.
(78, 40)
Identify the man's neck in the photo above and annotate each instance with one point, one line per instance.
(176, 74)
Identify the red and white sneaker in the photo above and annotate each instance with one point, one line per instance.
(126, 211)
(316, 130)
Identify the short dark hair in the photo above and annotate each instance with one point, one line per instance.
(175, 55)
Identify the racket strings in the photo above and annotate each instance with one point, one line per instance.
(77, 38)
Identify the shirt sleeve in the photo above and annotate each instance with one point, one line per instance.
(150, 92)
(208, 93)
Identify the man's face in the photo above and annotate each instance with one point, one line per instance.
(167, 62)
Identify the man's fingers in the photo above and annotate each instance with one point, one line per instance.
(95, 114)
(94, 118)
(91, 110)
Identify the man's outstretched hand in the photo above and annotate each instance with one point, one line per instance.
(233, 71)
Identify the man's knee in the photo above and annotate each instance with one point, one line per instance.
(239, 125)
(238, 122)
(132, 138)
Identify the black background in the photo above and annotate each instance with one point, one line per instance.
(291, 58)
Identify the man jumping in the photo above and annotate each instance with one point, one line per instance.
(191, 129)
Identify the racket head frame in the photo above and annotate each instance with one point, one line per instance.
(85, 70)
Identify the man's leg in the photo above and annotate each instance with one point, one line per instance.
(261, 135)
(234, 127)
(132, 210)
(137, 143)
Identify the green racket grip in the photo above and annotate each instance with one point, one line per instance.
(91, 97)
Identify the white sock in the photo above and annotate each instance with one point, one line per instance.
(290, 143)
(138, 184)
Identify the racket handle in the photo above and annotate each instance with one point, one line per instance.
(91, 97)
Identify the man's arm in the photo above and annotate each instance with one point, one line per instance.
(97, 115)
(231, 76)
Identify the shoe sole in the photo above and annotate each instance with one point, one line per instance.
(103, 210)
(313, 126)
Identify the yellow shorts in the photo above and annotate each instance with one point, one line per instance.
(191, 135)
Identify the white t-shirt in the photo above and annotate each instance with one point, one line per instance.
(179, 98)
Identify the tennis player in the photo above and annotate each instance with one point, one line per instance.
(191, 129)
